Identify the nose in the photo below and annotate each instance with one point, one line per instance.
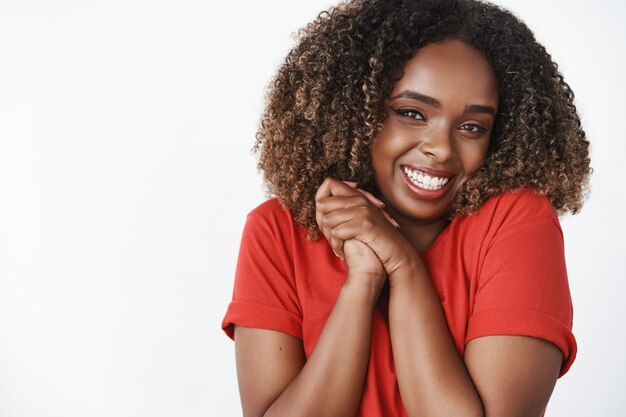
(439, 145)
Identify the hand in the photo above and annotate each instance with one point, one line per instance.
(345, 213)
(363, 266)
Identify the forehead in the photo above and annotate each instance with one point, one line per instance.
(450, 70)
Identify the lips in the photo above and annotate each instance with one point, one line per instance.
(425, 182)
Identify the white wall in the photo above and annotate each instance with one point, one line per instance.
(125, 177)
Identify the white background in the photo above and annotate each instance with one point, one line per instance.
(126, 174)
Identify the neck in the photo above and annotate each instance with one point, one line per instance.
(422, 234)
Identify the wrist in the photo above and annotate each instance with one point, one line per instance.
(363, 288)
(407, 270)
(405, 258)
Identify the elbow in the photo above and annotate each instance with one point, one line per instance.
(468, 411)
(476, 409)
(480, 412)
(445, 407)
(460, 413)
(471, 411)
(472, 408)
(258, 412)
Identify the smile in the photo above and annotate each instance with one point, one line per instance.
(425, 181)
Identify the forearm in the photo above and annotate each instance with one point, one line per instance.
(432, 377)
(331, 382)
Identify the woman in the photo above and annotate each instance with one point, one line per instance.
(412, 261)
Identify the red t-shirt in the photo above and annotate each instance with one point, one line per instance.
(499, 271)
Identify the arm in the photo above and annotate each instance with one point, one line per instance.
(275, 380)
(508, 375)
(261, 381)
(432, 377)
(330, 382)
(514, 375)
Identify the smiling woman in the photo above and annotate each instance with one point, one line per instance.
(412, 260)
(436, 135)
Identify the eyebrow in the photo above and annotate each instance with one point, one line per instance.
(418, 96)
(431, 101)
(477, 108)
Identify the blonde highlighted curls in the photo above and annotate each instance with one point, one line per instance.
(328, 101)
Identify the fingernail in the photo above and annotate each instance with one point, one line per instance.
(393, 221)
(350, 183)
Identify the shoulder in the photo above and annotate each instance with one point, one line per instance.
(272, 219)
(524, 201)
(512, 207)
(522, 212)
(273, 205)
(271, 212)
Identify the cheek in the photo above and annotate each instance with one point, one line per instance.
(474, 153)
(391, 142)
(382, 149)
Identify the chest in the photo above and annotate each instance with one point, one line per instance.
(452, 272)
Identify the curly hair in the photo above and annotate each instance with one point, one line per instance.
(328, 102)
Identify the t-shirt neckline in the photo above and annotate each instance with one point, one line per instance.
(442, 237)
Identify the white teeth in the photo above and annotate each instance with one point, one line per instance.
(424, 180)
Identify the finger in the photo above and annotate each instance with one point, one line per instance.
(337, 246)
(331, 186)
(345, 231)
(351, 184)
(328, 188)
(323, 191)
(333, 219)
(329, 204)
(391, 219)
(378, 203)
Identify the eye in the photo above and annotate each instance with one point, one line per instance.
(410, 113)
(473, 128)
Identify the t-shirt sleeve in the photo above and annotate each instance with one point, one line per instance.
(523, 288)
(264, 294)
